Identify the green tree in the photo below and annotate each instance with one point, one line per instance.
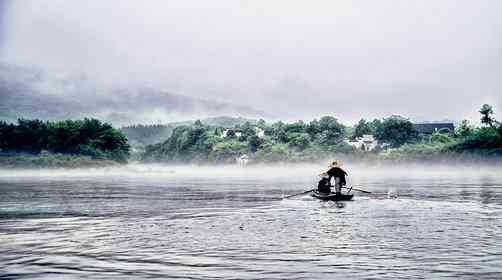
(273, 153)
(464, 129)
(30, 136)
(332, 132)
(299, 141)
(80, 137)
(247, 131)
(298, 127)
(269, 131)
(227, 151)
(186, 143)
(486, 115)
(254, 143)
(396, 131)
(361, 128)
(313, 128)
(198, 123)
(442, 138)
(280, 135)
(262, 124)
(376, 124)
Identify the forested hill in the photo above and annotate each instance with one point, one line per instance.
(264, 142)
(397, 138)
(142, 135)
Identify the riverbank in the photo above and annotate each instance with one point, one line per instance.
(409, 154)
(27, 161)
(406, 154)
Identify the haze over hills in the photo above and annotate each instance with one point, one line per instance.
(30, 93)
(371, 59)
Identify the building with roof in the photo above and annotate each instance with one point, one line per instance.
(238, 132)
(365, 143)
(430, 128)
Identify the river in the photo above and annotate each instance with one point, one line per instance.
(188, 222)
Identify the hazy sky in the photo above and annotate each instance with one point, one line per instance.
(427, 60)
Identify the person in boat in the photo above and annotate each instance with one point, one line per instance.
(336, 172)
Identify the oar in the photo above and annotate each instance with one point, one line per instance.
(300, 193)
(357, 190)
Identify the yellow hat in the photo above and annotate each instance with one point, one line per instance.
(336, 163)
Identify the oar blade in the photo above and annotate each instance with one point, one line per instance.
(362, 191)
(299, 193)
(356, 189)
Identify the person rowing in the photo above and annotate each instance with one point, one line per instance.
(334, 171)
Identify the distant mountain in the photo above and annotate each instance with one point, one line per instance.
(29, 93)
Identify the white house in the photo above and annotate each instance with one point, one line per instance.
(365, 143)
(259, 132)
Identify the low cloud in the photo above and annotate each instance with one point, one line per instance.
(294, 60)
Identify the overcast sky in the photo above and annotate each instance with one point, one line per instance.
(428, 60)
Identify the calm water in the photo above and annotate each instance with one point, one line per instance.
(202, 223)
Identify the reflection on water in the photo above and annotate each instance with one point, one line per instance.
(111, 226)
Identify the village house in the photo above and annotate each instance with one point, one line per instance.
(430, 128)
(365, 143)
(259, 132)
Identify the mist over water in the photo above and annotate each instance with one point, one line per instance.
(357, 171)
(224, 222)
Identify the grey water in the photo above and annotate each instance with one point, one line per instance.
(161, 222)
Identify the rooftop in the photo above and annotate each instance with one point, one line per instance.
(429, 128)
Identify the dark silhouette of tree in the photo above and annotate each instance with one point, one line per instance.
(486, 115)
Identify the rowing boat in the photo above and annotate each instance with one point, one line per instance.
(332, 196)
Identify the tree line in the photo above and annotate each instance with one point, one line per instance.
(89, 137)
(262, 141)
(486, 139)
(300, 141)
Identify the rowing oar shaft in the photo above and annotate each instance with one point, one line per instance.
(300, 193)
(357, 190)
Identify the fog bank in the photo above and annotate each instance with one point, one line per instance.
(293, 60)
(304, 172)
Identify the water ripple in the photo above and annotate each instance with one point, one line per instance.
(181, 229)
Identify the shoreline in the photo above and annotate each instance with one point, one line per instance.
(61, 161)
(52, 161)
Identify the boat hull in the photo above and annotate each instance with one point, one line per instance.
(332, 196)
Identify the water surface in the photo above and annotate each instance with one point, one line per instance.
(221, 223)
